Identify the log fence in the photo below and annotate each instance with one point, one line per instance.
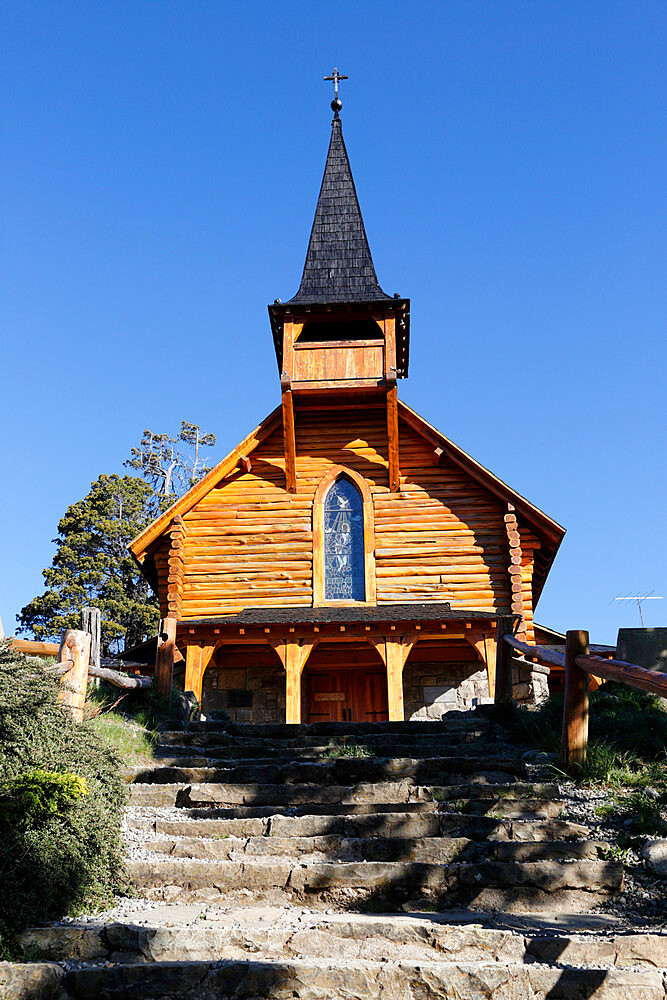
(579, 664)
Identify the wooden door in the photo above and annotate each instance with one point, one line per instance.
(325, 697)
(347, 696)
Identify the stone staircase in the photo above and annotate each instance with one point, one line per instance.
(332, 861)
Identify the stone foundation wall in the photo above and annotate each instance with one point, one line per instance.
(432, 689)
(529, 681)
(247, 694)
(257, 694)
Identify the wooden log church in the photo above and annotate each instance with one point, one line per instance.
(346, 561)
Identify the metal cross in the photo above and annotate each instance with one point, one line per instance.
(336, 76)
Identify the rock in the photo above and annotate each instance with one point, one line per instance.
(654, 853)
(537, 756)
(188, 708)
(30, 981)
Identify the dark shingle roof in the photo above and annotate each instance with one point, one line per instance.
(367, 614)
(339, 266)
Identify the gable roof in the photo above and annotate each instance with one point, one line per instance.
(339, 266)
(140, 545)
(549, 531)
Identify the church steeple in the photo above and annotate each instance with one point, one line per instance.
(339, 266)
(340, 331)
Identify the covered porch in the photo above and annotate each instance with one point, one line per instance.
(357, 653)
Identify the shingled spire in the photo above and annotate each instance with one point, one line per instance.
(339, 266)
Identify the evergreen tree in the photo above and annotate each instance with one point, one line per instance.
(92, 566)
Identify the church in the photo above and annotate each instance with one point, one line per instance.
(346, 561)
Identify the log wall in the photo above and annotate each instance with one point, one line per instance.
(248, 543)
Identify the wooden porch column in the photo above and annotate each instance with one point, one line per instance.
(486, 647)
(293, 656)
(197, 658)
(394, 653)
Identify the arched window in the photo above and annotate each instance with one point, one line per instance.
(343, 539)
(344, 553)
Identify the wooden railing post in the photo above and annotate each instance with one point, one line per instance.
(503, 695)
(91, 621)
(74, 654)
(164, 659)
(575, 706)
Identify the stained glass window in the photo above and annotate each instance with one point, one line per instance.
(344, 574)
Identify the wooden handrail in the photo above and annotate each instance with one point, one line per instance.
(579, 663)
(536, 652)
(625, 673)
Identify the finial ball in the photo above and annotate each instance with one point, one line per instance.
(336, 105)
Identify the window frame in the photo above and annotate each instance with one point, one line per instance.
(334, 473)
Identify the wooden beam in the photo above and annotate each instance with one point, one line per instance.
(164, 656)
(575, 707)
(485, 647)
(289, 434)
(74, 654)
(394, 652)
(293, 656)
(33, 648)
(392, 438)
(197, 658)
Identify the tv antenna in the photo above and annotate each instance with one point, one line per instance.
(639, 598)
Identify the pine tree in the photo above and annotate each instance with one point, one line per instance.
(92, 566)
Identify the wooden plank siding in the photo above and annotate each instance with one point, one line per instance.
(440, 538)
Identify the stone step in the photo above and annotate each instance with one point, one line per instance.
(367, 825)
(454, 723)
(434, 850)
(343, 770)
(545, 886)
(313, 979)
(194, 756)
(504, 798)
(315, 745)
(196, 934)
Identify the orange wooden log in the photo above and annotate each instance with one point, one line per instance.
(626, 673)
(575, 708)
(74, 653)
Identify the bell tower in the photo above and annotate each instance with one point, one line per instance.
(340, 339)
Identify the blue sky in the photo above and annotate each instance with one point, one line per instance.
(160, 168)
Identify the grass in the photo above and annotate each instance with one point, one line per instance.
(627, 746)
(643, 813)
(129, 722)
(133, 742)
(348, 750)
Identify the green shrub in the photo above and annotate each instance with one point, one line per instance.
(63, 784)
(31, 798)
